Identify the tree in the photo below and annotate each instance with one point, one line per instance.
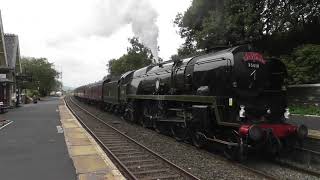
(191, 23)
(43, 74)
(304, 64)
(57, 85)
(276, 25)
(137, 56)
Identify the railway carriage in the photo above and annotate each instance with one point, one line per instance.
(95, 92)
(79, 92)
(234, 97)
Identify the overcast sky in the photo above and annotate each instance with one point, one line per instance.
(80, 36)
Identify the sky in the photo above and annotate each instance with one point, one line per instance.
(80, 36)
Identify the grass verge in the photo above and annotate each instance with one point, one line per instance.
(305, 109)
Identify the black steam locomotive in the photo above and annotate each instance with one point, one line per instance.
(234, 97)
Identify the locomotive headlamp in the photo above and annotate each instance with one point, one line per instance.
(242, 112)
(269, 111)
(157, 84)
(255, 133)
(234, 84)
(283, 88)
(286, 113)
(302, 131)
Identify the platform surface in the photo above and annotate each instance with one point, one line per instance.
(89, 159)
(32, 147)
(312, 122)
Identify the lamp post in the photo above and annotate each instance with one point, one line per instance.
(38, 85)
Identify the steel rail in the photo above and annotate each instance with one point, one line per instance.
(317, 153)
(118, 161)
(261, 173)
(119, 164)
(297, 167)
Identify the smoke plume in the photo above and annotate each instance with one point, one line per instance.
(105, 17)
(111, 15)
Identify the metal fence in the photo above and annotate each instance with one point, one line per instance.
(304, 94)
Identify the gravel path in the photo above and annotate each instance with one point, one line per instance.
(201, 163)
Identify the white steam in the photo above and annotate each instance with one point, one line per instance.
(113, 14)
(107, 16)
(143, 20)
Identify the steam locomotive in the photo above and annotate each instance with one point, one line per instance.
(234, 97)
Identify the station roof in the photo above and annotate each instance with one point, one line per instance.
(5, 80)
(5, 69)
(3, 55)
(9, 52)
(12, 51)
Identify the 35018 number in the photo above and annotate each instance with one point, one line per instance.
(253, 65)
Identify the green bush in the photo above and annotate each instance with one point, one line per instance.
(32, 93)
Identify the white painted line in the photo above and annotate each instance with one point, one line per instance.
(59, 129)
(307, 115)
(6, 124)
(311, 115)
(305, 85)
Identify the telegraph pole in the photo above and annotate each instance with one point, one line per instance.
(61, 85)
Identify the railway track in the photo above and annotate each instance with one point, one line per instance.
(312, 144)
(133, 159)
(262, 173)
(303, 160)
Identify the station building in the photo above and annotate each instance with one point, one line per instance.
(10, 68)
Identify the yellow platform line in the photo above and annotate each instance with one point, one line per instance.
(89, 160)
(314, 134)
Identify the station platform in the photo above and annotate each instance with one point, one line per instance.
(88, 158)
(38, 144)
(312, 122)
